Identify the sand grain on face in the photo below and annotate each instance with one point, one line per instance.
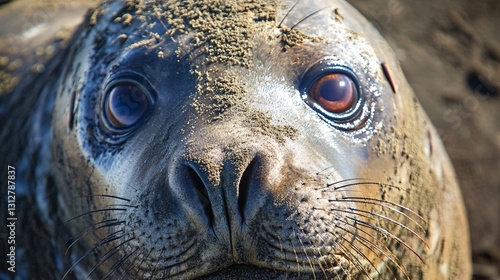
(221, 29)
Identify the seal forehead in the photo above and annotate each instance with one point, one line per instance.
(221, 29)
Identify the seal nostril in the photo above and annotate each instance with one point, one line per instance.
(201, 192)
(244, 188)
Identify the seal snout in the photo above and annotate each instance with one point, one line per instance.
(194, 181)
(222, 188)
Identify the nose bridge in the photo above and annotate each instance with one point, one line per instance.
(227, 181)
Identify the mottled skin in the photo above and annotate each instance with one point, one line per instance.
(232, 174)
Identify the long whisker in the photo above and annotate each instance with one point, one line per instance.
(106, 256)
(155, 269)
(379, 202)
(307, 256)
(341, 251)
(386, 207)
(308, 16)
(388, 233)
(145, 258)
(127, 269)
(357, 263)
(103, 224)
(95, 211)
(287, 13)
(296, 255)
(105, 195)
(392, 221)
(118, 264)
(374, 245)
(107, 239)
(354, 181)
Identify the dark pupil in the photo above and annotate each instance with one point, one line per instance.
(126, 105)
(335, 89)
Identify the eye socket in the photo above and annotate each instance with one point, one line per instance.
(334, 92)
(126, 103)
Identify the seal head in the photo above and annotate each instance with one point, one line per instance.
(249, 139)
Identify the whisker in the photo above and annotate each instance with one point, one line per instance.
(320, 264)
(130, 266)
(346, 183)
(156, 265)
(381, 216)
(323, 170)
(358, 250)
(106, 223)
(385, 218)
(381, 249)
(94, 211)
(308, 16)
(307, 256)
(354, 180)
(143, 259)
(106, 256)
(357, 263)
(296, 255)
(347, 253)
(388, 233)
(105, 195)
(122, 205)
(161, 22)
(339, 264)
(107, 239)
(118, 264)
(393, 221)
(422, 228)
(360, 183)
(379, 202)
(287, 13)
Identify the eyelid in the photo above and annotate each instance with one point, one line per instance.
(315, 73)
(129, 96)
(110, 133)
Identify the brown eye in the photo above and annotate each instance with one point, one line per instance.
(335, 93)
(125, 105)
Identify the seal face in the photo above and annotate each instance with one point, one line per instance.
(247, 139)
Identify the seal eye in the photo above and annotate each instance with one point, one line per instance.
(334, 92)
(125, 105)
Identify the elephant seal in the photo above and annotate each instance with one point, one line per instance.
(243, 139)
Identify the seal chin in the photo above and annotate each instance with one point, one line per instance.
(253, 272)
